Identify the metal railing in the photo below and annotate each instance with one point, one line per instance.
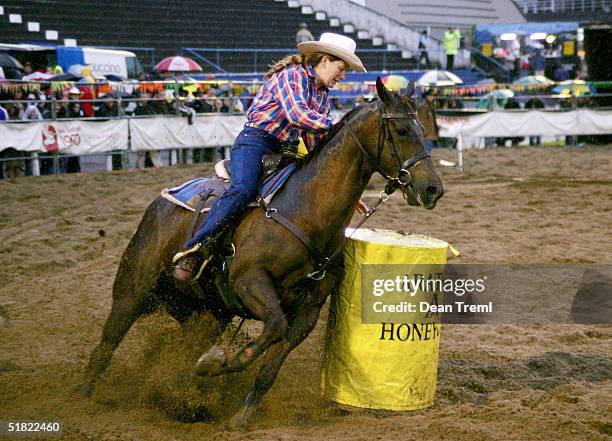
(490, 66)
(539, 6)
(447, 102)
(260, 59)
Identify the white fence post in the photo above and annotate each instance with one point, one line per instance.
(35, 164)
(109, 162)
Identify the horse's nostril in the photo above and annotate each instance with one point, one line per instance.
(433, 190)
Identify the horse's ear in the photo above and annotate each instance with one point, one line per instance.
(410, 89)
(382, 91)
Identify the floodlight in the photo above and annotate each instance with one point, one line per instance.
(508, 36)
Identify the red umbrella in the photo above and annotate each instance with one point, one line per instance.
(178, 64)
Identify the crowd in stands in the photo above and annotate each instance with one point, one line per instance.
(522, 57)
(78, 101)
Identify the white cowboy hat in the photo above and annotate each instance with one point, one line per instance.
(336, 45)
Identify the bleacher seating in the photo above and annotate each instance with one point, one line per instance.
(170, 26)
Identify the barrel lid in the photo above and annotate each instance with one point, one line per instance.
(390, 237)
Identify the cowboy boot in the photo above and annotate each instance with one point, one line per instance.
(189, 263)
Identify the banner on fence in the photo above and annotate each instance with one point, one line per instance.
(532, 123)
(176, 132)
(212, 130)
(70, 137)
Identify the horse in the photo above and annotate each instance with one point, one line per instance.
(277, 270)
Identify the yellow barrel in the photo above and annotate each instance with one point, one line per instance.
(392, 366)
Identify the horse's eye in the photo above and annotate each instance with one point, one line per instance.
(402, 132)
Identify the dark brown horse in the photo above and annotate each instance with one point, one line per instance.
(270, 268)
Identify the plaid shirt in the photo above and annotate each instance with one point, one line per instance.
(289, 105)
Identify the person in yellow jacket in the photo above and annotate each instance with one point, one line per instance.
(452, 39)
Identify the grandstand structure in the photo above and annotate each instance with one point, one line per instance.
(168, 27)
(437, 15)
(583, 11)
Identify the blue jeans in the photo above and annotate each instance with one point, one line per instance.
(429, 145)
(246, 170)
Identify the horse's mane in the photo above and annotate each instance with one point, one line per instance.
(333, 131)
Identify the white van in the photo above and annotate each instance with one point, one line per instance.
(102, 61)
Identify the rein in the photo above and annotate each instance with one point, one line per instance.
(403, 180)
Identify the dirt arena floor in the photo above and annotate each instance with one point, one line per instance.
(61, 239)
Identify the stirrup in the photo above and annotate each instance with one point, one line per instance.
(191, 250)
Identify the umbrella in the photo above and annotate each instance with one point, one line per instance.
(576, 87)
(7, 61)
(439, 78)
(500, 98)
(535, 45)
(113, 77)
(395, 82)
(533, 79)
(65, 77)
(37, 76)
(178, 64)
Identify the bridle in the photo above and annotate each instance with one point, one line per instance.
(403, 178)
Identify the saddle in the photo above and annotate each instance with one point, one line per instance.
(270, 162)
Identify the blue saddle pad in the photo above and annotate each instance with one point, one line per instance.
(272, 183)
(183, 193)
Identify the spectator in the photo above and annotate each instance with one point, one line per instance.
(199, 104)
(108, 109)
(561, 73)
(454, 104)
(538, 62)
(515, 57)
(427, 116)
(144, 106)
(164, 103)
(247, 97)
(225, 105)
(61, 111)
(86, 104)
(4, 116)
(43, 105)
(534, 103)
(237, 106)
(13, 111)
(423, 53)
(72, 164)
(211, 98)
(27, 68)
(303, 34)
(31, 112)
(19, 107)
(452, 39)
(75, 110)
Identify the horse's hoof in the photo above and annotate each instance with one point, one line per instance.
(211, 363)
(241, 420)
